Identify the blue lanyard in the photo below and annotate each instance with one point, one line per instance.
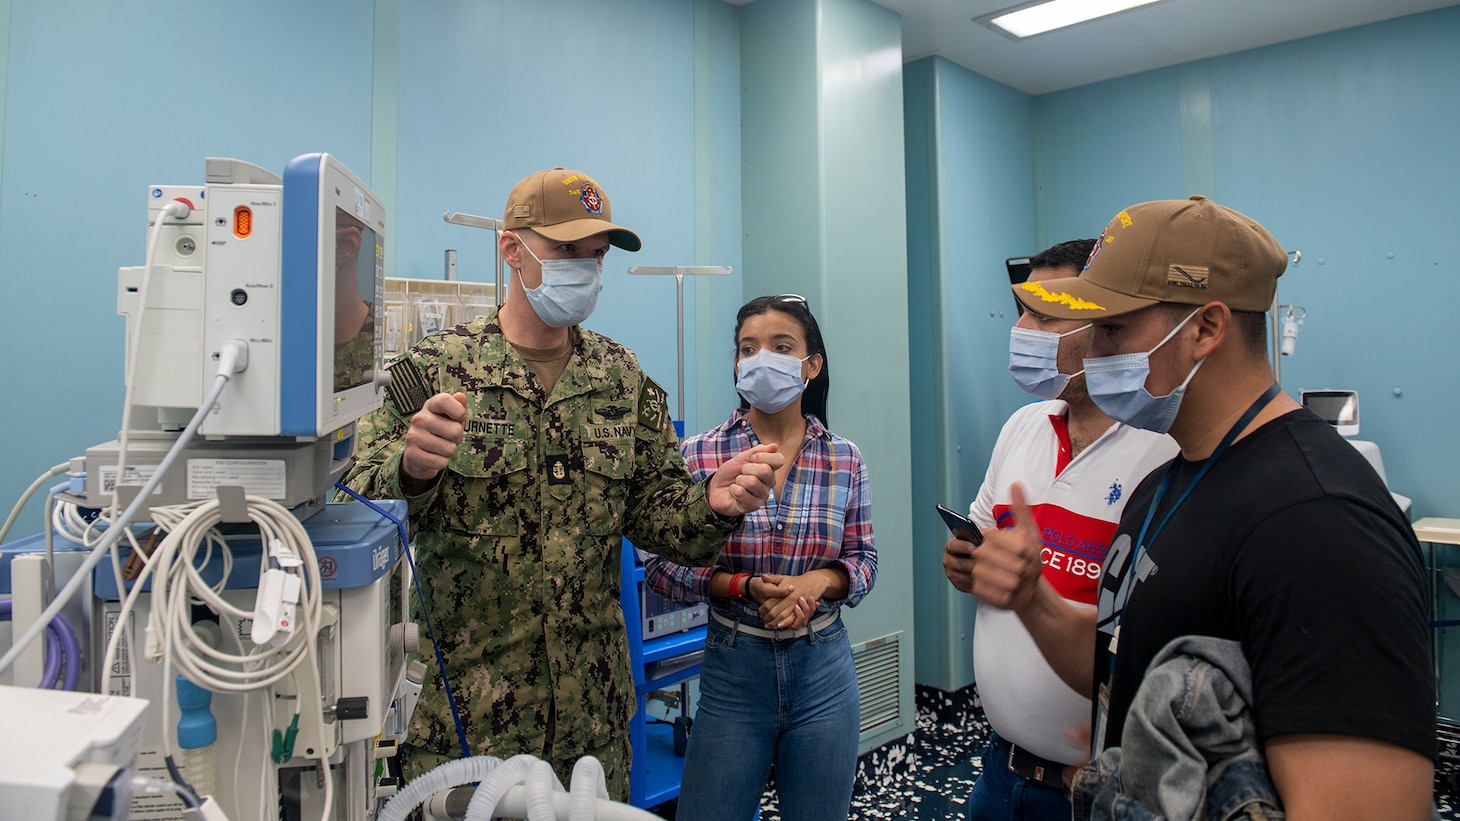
(1141, 541)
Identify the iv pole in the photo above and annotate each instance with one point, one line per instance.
(474, 221)
(1275, 331)
(680, 272)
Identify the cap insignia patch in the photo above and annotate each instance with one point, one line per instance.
(592, 201)
(1095, 251)
(1188, 276)
(1074, 302)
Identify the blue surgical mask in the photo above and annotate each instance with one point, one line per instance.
(1034, 361)
(569, 290)
(770, 381)
(1117, 384)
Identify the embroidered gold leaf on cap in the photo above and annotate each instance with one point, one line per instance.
(1074, 302)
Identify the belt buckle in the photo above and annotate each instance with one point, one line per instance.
(1034, 771)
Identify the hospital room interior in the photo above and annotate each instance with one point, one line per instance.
(888, 166)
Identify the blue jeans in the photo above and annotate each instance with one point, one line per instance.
(999, 795)
(788, 702)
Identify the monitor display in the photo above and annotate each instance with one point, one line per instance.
(333, 271)
(1338, 408)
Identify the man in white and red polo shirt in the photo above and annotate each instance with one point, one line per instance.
(1075, 466)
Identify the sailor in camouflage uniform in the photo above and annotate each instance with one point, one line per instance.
(526, 448)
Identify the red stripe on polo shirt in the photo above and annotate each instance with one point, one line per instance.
(1074, 547)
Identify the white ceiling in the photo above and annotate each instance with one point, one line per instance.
(1162, 34)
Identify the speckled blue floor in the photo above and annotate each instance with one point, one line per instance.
(928, 774)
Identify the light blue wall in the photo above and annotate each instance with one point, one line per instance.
(441, 106)
(1343, 146)
(1084, 135)
(492, 91)
(718, 219)
(971, 206)
(824, 217)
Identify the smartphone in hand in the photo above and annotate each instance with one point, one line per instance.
(960, 526)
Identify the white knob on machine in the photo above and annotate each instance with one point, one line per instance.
(405, 637)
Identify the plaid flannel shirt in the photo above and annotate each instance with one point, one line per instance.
(821, 518)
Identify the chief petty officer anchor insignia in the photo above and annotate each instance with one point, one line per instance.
(557, 469)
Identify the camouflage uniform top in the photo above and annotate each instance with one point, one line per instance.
(519, 539)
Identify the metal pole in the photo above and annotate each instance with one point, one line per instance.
(501, 283)
(679, 293)
(493, 225)
(679, 273)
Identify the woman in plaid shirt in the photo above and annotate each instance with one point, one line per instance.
(778, 686)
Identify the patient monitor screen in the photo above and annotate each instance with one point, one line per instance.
(1334, 407)
(357, 256)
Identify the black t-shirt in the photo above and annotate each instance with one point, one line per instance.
(1291, 545)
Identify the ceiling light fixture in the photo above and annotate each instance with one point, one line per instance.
(1048, 16)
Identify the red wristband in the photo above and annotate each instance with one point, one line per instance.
(736, 591)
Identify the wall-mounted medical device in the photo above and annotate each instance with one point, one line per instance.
(293, 267)
(1338, 408)
(1341, 410)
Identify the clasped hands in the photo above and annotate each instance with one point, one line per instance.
(787, 602)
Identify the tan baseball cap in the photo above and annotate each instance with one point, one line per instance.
(565, 206)
(1189, 251)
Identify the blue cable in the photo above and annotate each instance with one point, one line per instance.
(426, 611)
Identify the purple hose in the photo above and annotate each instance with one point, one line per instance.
(52, 673)
(61, 644)
(71, 649)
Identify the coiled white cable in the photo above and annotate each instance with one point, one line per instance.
(170, 519)
(177, 583)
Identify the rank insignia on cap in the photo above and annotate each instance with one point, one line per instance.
(1188, 276)
(557, 470)
(591, 199)
(1061, 298)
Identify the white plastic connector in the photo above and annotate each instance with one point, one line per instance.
(233, 358)
(152, 647)
(268, 606)
(177, 209)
